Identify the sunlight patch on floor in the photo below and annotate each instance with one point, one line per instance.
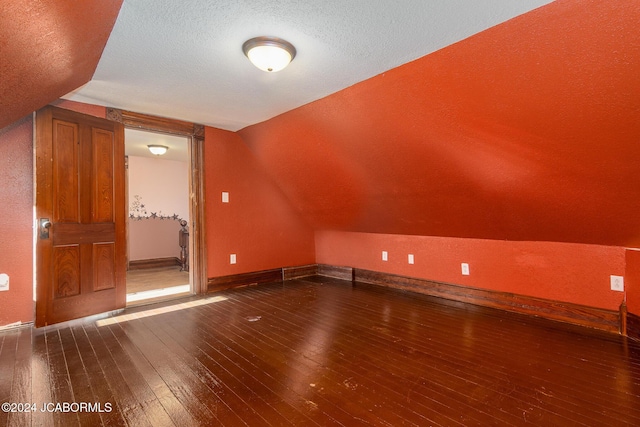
(159, 310)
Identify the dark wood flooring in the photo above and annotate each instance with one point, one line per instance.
(318, 351)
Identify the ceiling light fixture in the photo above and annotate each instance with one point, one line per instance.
(158, 150)
(270, 54)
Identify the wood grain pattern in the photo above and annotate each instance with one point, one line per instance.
(633, 326)
(155, 278)
(103, 176)
(66, 271)
(104, 265)
(345, 273)
(135, 120)
(561, 311)
(143, 264)
(244, 279)
(81, 264)
(290, 273)
(320, 351)
(66, 234)
(65, 172)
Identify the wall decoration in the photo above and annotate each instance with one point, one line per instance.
(138, 211)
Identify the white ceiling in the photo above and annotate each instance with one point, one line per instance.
(136, 142)
(184, 59)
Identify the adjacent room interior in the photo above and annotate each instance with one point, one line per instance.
(158, 216)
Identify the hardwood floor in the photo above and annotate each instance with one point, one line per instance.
(319, 351)
(155, 278)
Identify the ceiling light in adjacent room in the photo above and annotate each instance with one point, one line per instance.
(158, 150)
(270, 54)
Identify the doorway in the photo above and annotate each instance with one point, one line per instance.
(157, 183)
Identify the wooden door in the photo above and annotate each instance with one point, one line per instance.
(81, 246)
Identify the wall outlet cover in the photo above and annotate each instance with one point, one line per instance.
(410, 259)
(617, 283)
(465, 268)
(385, 256)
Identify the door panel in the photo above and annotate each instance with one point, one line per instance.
(102, 177)
(80, 267)
(65, 172)
(103, 272)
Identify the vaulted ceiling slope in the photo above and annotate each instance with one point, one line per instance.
(527, 131)
(184, 59)
(47, 49)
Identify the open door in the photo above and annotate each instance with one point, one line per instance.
(80, 212)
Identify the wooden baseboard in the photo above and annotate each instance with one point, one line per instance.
(264, 276)
(606, 320)
(243, 279)
(633, 326)
(290, 273)
(344, 273)
(142, 264)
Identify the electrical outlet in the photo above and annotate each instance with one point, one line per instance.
(232, 259)
(617, 283)
(465, 268)
(410, 259)
(4, 282)
(385, 256)
(225, 197)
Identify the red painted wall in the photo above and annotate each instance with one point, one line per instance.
(16, 227)
(258, 224)
(81, 107)
(49, 48)
(527, 131)
(569, 272)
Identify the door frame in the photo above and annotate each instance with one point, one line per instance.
(195, 135)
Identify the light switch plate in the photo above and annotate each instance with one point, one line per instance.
(410, 259)
(385, 256)
(232, 259)
(225, 197)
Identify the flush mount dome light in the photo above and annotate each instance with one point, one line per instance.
(270, 54)
(158, 150)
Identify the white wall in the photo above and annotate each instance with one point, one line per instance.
(157, 189)
(162, 186)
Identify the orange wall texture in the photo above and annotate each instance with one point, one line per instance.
(52, 55)
(258, 224)
(569, 272)
(526, 131)
(16, 211)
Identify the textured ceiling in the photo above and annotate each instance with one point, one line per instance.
(136, 142)
(184, 59)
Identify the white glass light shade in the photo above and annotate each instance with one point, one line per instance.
(158, 150)
(269, 54)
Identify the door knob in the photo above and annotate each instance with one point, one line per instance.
(45, 224)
